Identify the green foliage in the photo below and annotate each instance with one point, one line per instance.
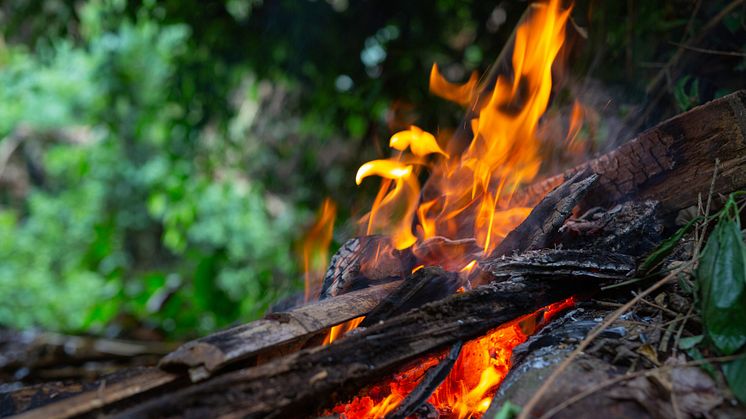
(722, 291)
(686, 93)
(722, 283)
(130, 220)
(735, 374)
(666, 247)
(508, 410)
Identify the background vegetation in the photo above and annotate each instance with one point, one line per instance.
(158, 160)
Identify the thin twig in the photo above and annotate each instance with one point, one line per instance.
(707, 210)
(711, 51)
(591, 336)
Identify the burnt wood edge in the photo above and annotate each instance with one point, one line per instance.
(542, 224)
(206, 355)
(432, 380)
(671, 162)
(314, 378)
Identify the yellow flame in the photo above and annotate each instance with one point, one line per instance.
(339, 330)
(389, 169)
(420, 142)
(472, 191)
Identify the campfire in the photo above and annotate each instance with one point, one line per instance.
(468, 251)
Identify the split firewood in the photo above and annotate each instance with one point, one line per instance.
(107, 393)
(430, 382)
(632, 228)
(279, 332)
(423, 286)
(312, 378)
(671, 163)
(363, 261)
(541, 226)
(558, 264)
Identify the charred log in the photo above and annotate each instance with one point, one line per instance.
(363, 261)
(540, 228)
(559, 264)
(433, 378)
(424, 286)
(633, 228)
(311, 378)
(278, 332)
(672, 162)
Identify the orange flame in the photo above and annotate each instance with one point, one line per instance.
(315, 248)
(472, 191)
(468, 389)
(461, 94)
(337, 331)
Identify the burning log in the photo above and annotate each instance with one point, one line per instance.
(671, 163)
(305, 380)
(362, 261)
(278, 333)
(429, 383)
(424, 286)
(545, 220)
(554, 264)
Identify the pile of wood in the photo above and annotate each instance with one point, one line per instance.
(590, 227)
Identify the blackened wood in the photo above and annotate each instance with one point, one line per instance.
(204, 356)
(671, 163)
(363, 261)
(312, 378)
(633, 228)
(424, 286)
(432, 379)
(539, 229)
(107, 393)
(559, 264)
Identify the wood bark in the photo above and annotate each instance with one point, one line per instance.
(672, 163)
(541, 226)
(279, 332)
(312, 378)
(108, 393)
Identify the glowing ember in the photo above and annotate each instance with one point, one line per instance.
(468, 193)
(471, 384)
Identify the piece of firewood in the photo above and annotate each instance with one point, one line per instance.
(108, 393)
(430, 382)
(423, 286)
(300, 383)
(278, 331)
(364, 261)
(557, 264)
(672, 162)
(541, 226)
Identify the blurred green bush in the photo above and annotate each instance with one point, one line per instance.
(138, 214)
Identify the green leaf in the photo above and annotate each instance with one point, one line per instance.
(667, 246)
(508, 410)
(721, 275)
(707, 367)
(690, 342)
(735, 374)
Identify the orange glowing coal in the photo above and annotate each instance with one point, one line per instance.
(467, 391)
(468, 194)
